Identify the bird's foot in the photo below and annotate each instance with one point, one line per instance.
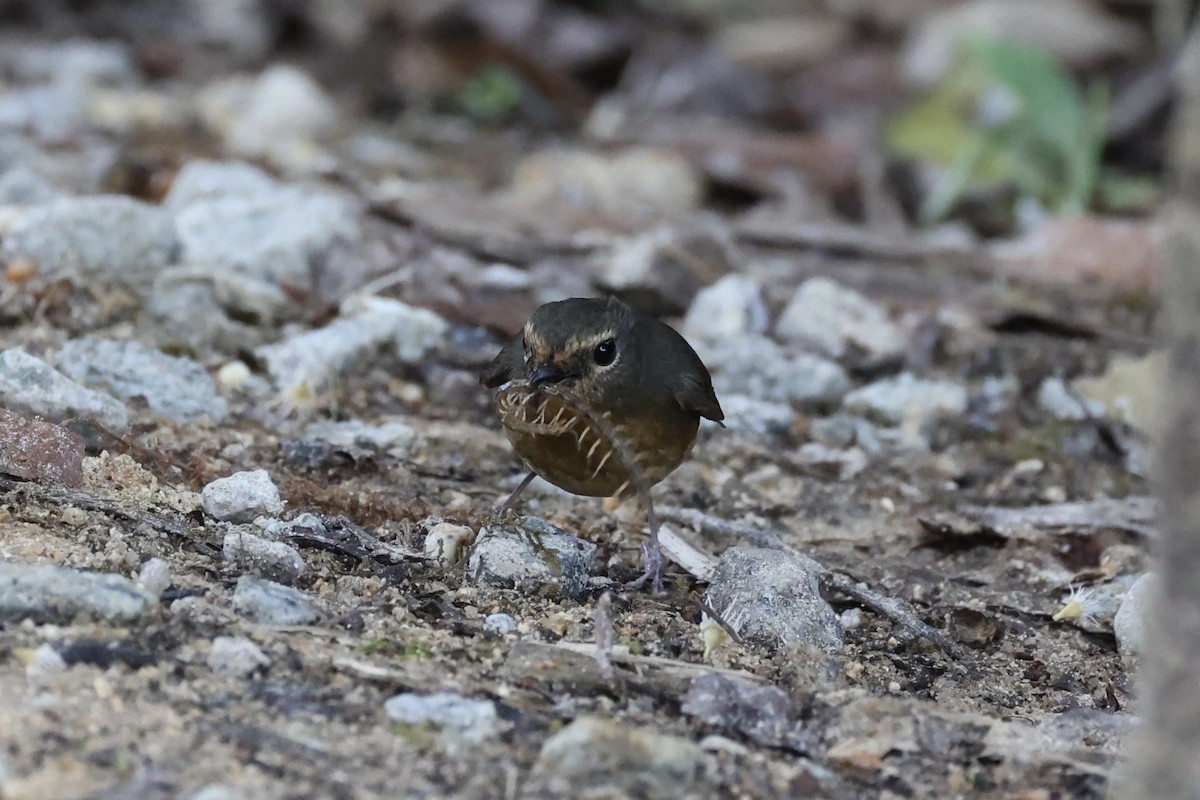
(653, 559)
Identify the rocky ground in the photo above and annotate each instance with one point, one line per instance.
(247, 473)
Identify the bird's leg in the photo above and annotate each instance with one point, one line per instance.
(652, 556)
(512, 498)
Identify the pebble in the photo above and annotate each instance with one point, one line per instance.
(641, 762)
(205, 179)
(772, 598)
(29, 385)
(174, 387)
(1129, 624)
(500, 623)
(241, 497)
(274, 236)
(840, 323)
(275, 560)
(111, 236)
(531, 555)
(273, 603)
(457, 718)
(755, 365)
(765, 714)
(732, 306)
(310, 361)
(445, 542)
(1056, 399)
(908, 399)
(49, 593)
(236, 656)
(155, 576)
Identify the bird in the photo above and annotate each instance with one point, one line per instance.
(602, 401)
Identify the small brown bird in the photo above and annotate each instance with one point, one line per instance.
(601, 401)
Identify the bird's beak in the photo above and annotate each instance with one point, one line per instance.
(547, 373)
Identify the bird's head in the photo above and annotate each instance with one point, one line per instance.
(583, 343)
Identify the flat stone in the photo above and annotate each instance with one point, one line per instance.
(772, 598)
(531, 555)
(595, 752)
(308, 362)
(31, 386)
(49, 593)
(273, 603)
(274, 560)
(110, 236)
(174, 387)
(241, 497)
(908, 399)
(454, 716)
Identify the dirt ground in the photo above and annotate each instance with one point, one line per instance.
(966, 530)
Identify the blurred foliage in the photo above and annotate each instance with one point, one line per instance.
(491, 95)
(1011, 115)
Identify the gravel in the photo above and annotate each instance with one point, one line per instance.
(48, 593)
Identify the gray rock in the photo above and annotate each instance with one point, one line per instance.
(284, 109)
(241, 28)
(500, 623)
(155, 576)
(754, 365)
(273, 236)
(846, 430)
(29, 385)
(394, 437)
(1056, 399)
(48, 593)
(203, 179)
(275, 560)
(194, 308)
(73, 62)
(660, 272)
(21, 186)
(1129, 624)
(173, 387)
(454, 716)
(103, 235)
(531, 555)
(730, 307)
(300, 525)
(839, 323)
(241, 497)
(309, 362)
(595, 752)
(236, 656)
(765, 714)
(905, 399)
(755, 415)
(273, 603)
(772, 598)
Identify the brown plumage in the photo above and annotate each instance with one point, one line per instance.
(601, 401)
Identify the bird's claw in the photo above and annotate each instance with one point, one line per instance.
(652, 558)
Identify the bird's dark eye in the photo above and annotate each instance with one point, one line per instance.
(605, 352)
